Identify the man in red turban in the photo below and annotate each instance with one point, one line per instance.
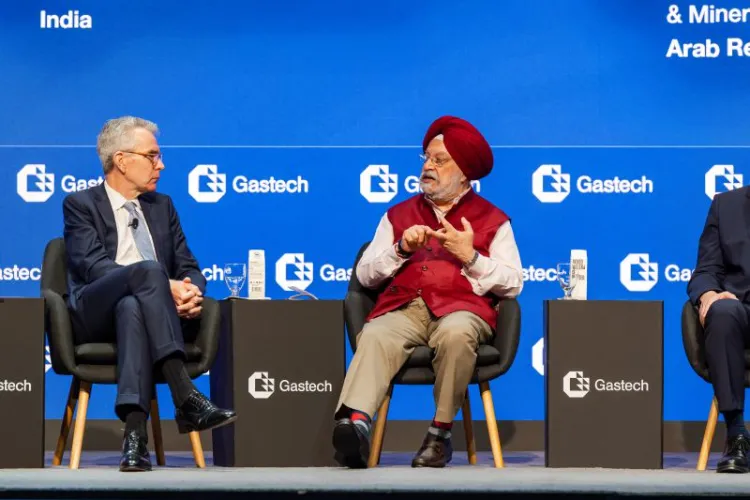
(442, 259)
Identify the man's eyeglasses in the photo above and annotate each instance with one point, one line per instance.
(438, 162)
(154, 158)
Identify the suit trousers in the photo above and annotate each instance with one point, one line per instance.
(727, 333)
(132, 306)
(386, 342)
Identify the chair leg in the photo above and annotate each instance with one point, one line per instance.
(156, 431)
(195, 442)
(708, 436)
(489, 412)
(70, 407)
(379, 431)
(80, 425)
(471, 447)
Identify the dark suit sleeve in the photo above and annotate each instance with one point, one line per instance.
(87, 256)
(185, 262)
(709, 271)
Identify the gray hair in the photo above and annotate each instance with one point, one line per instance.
(117, 135)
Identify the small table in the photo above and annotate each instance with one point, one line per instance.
(604, 383)
(22, 383)
(280, 366)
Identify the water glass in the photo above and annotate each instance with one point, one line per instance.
(235, 275)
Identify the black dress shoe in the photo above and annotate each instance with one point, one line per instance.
(135, 456)
(198, 413)
(735, 455)
(351, 443)
(435, 452)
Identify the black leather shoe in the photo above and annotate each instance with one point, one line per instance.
(135, 456)
(735, 455)
(351, 443)
(435, 452)
(198, 413)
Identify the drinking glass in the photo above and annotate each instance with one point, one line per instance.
(235, 275)
(563, 276)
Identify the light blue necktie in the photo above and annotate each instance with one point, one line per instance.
(140, 233)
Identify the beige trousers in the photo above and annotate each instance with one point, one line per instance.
(385, 343)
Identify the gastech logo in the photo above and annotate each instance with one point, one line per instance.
(721, 178)
(262, 386)
(537, 356)
(16, 273)
(293, 271)
(639, 274)
(73, 19)
(207, 185)
(532, 273)
(551, 185)
(575, 385)
(35, 185)
(378, 185)
(11, 386)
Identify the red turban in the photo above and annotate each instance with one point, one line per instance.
(464, 143)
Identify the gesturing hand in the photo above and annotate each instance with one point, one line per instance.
(458, 243)
(415, 238)
(187, 298)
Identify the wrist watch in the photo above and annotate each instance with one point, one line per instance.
(473, 260)
(401, 252)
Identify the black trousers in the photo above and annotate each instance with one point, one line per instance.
(133, 306)
(727, 329)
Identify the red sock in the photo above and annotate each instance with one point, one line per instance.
(358, 415)
(442, 425)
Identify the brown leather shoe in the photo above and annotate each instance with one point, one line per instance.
(435, 452)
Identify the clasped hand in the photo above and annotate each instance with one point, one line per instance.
(458, 243)
(187, 298)
(707, 300)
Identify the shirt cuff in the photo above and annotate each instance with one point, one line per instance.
(479, 268)
(393, 256)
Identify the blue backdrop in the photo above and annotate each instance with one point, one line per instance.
(567, 92)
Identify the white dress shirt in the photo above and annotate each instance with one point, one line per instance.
(500, 274)
(127, 251)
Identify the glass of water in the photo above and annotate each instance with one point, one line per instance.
(235, 275)
(563, 276)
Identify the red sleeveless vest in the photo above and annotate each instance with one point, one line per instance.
(434, 273)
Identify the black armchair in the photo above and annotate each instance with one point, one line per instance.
(693, 341)
(493, 360)
(96, 363)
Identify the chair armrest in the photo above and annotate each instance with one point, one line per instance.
(692, 340)
(357, 305)
(507, 332)
(207, 339)
(59, 333)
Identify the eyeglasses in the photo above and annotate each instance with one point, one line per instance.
(438, 162)
(154, 158)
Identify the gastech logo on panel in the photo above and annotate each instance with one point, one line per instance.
(261, 386)
(34, 184)
(71, 19)
(378, 185)
(550, 184)
(638, 273)
(19, 273)
(206, 184)
(576, 385)
(293, 270)
(721, 178)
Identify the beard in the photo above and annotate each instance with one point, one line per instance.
(440, 193)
